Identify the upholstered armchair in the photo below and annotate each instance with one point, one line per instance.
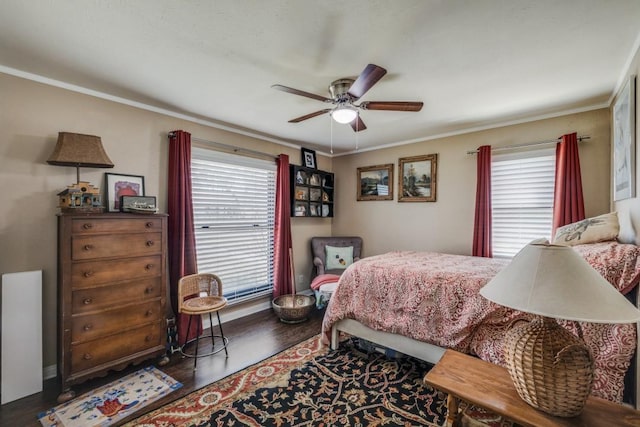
(318, 250)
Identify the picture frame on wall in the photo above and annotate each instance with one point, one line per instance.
(624, 143)
(417, 181)
(117, 185)
(375, 182)
(308, 158)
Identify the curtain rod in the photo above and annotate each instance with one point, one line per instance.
(529, 144)
(233, 148)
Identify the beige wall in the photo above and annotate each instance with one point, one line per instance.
(447, 224)
(32, 114)
(629, 209)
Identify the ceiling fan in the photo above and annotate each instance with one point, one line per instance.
(344, 94)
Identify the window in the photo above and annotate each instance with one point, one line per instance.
(522, 199)
(234, 215)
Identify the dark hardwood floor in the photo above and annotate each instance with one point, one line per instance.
(251, 339)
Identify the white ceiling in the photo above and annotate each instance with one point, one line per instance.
(474, 63)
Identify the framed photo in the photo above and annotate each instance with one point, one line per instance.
(118, 185)
(375, 182)
(624, 132)
(308, 158)
(418, 178)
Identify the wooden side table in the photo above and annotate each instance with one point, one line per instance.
(489, 386)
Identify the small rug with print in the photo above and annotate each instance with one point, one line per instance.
(308, 385)
(106, 405)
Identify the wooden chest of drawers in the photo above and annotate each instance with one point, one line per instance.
(112, 293)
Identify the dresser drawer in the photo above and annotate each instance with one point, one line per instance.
(99, 298)
(90, 225)
(89, 274)
(110, 349)
(92, 326)
(115, 245)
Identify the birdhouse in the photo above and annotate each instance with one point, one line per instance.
(80, 197)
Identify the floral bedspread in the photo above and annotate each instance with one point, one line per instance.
(434, 297)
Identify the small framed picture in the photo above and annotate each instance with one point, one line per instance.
(308, 158)
(118, 185)
(375, 182)
(418, 178)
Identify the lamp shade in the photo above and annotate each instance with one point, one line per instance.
(344, 114)
(555, 281)
(74, 149)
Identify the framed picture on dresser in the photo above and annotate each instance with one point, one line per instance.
(118, 185)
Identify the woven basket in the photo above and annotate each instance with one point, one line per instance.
(551, 368)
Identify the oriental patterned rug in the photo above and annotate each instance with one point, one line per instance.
(106, 405)
(307, 385)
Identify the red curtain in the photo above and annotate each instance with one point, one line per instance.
(282, 283)
(181, 237)
(568, 201)
(482, 223)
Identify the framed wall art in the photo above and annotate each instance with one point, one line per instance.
(308, 158)
(375, 182)
(118, 185)
(624, 144)
(417, 178)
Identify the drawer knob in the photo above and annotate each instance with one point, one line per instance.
(148, 338)
(149, 242)
(88, 327)
(88, 247)
(149, 224)
(149, 313)
(148, 290)
(87, 356)
(148, 267)
(88, 273)
(87, 301)
(87, 226)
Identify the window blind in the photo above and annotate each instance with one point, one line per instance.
(234, 215)
(522, 187)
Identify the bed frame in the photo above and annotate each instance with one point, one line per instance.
(431, 353)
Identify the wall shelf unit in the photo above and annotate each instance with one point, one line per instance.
(311, 192)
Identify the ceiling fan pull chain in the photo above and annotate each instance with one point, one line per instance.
(331, 125)
(357, 128)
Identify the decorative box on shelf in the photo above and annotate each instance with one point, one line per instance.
(311, 192)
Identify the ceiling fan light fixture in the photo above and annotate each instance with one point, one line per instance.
(344, 114)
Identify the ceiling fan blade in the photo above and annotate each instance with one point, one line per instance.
(301, 93)
(369, 76)
(357, 124)
(309, 116)
(391, 106)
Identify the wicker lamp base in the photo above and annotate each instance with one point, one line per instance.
(551, 368)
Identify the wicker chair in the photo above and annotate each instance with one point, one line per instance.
(200, 294)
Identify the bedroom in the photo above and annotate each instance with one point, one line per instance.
(35, 109)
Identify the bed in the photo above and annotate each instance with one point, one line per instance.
(421, 303)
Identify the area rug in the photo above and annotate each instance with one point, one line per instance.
(106, 405)
(308, 385)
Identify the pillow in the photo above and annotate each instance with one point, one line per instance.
(591, 230)
(338, 257)
(539, 241)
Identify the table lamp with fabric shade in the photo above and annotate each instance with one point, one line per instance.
(551, 368)
(79, 150)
